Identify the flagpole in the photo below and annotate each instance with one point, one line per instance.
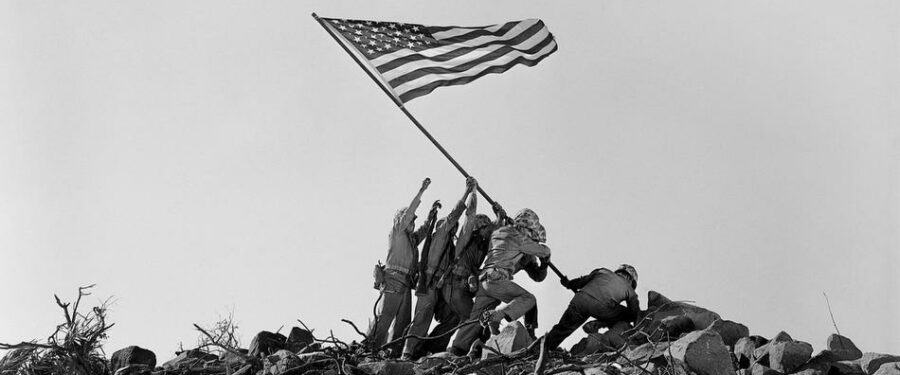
(400, 105)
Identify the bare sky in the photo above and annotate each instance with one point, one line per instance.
(194, 158)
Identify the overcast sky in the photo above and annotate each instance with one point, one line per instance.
(197, 158)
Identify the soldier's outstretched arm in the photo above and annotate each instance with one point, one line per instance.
(410, 213)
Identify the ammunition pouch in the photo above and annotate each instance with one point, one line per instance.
(378, 275)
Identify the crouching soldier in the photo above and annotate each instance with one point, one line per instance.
(433, 259)
(395, 279)
(509, 245)
(598, 295)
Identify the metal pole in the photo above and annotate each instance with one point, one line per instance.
(400, 105)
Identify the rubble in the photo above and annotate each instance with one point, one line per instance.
(671, 338)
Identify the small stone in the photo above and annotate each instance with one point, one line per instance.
(743, 350)
(513, 337)
(704, 353)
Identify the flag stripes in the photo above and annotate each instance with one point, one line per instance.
(413, 60)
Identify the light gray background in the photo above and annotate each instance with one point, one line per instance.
(193, 158)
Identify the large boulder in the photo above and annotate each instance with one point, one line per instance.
(513, 337)
(870, 362)
(704, 353)
(891, 368)
(266, 343)
(761, 353)
(132, 355)
(788, 356)
(837, 348)
(730, 331)
(298, 339)
(659, 307)
(190, 359)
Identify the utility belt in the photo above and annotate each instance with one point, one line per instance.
(381, 271)
(495, 274)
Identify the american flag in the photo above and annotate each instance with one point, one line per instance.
(413, 60)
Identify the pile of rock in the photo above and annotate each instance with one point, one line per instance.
(674, 337)
(671, 338)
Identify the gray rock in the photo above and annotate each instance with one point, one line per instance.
(813, 369)
(870, 362)
(132, 355)
(788, 356)
(730, 331)
(675, 326)
(660, 307)
(847, 368)
(597, 343)
(744, 347)
(266, 343)
(890, 368)
(298, 339)
(837, 348)
(280, 362)
(388, 368)
(761, 353)
(647, 352)
(190, 359)
(704, 353)
(134, 370)
(513, 337)
(758, 369)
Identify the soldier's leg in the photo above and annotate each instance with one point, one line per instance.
(421, 321)
(574, 316)
(518, 300)
(388, 308)
(402, 318)
(447, 317)
(470, 332)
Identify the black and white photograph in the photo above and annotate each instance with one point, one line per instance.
(403, 187)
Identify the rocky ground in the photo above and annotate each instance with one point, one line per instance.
(671, 337)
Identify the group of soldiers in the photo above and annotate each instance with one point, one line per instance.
(465, 272)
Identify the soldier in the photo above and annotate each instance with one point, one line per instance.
(598, 295)
(426, 294)
(509, 245)
(397, 275)
(458, 282)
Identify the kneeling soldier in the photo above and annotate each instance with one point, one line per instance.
(598, 295)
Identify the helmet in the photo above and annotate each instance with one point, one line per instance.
(631, 272)
(528, 221)
(481, 221)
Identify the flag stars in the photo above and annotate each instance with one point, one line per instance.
(357, 39)
(415, 28)
(410, 45)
